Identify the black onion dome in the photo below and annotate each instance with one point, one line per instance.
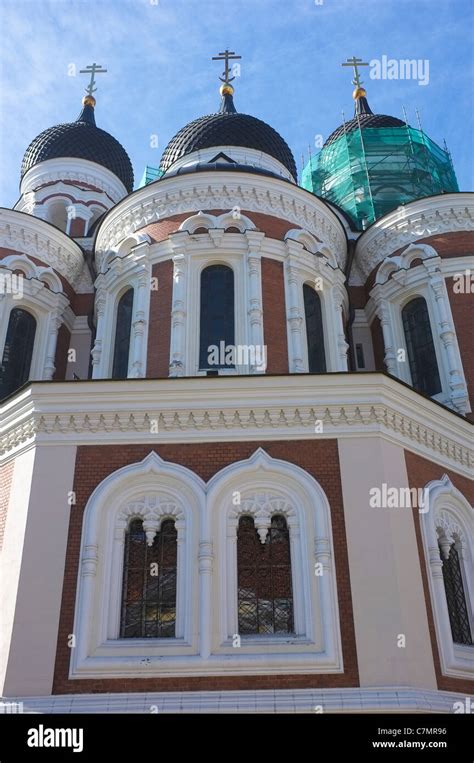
(81, 139)
(228, 128)
(365, 118)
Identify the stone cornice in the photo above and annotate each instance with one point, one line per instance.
(31, 235)
(448, 213)
(76, 171)
(235, 408)
(221, 190)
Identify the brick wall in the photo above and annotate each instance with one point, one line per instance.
(420, 472)
(94, 463)
(6, 476)
(273, 227)
(159, 330)
(274, 316)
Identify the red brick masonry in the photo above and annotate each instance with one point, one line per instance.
(94, 463)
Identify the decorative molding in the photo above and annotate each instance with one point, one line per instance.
(381, 699)
(449, 519)
(220, 190)
(203, 409)
(75, 170)
(232, 219)
(448, 213)
(32, 236)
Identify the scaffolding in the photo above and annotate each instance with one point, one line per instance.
(370, 171)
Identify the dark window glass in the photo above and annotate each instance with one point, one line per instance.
(314, 330)
(265, 598)
(18, 351)
(360, 356)
(421, 351)
(217, 315)
(456, 600)
(122, 336)
(149, 583)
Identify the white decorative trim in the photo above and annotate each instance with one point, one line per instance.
(267, 486)
(224, 221)
(447, 213)
(451, 519)
(240, 155)
(31, 270)
(220, 190)
(30, 235)
(133, 270)
(46, 306)
(395, 286)
(378, 699)
(216, 410)
(154, 490)
(301, 267)
(75, 170)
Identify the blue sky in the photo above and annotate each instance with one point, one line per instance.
(160, 75)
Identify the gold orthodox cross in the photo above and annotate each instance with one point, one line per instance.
(355, 63)
(92, 70)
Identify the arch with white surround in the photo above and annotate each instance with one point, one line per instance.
(152, 490)
(449, 519)
(263, 486)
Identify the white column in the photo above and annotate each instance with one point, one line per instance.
(254, 310)
(294, 316)
(206, 558)
(338, 294)
(447, 334)
(137, 367)
(100, 304)
(54, 324)
(383, 313)
(178, 316)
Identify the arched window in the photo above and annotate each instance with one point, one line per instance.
(420, 347)
(149, 583)
(265, 598)
(217, 317)
(455, 595)
(122, 335)
(314, 330)
(18, 351)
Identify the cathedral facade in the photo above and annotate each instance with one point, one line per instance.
(236, 449)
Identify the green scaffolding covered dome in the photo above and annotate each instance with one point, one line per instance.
(373, 163)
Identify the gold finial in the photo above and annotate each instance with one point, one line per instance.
(89, 100)
(226, 89)
(359, 92)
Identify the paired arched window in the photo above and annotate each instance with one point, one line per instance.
(122, 335)
(149, 582)
(455, 594)
(18, 351)
(420, 347)
(217, 318)
(265, 597)
(314, 330)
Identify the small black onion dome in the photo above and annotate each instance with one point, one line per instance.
(363, 117)
(81, 139)
(228, 128)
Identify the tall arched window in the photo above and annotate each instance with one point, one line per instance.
(314, 330)
(122, 335)
(217, 318)
(265, 597)
(420, 347)
(149, 583)
(18, 351)
(455, 595)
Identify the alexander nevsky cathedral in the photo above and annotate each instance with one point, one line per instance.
(236, 407)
